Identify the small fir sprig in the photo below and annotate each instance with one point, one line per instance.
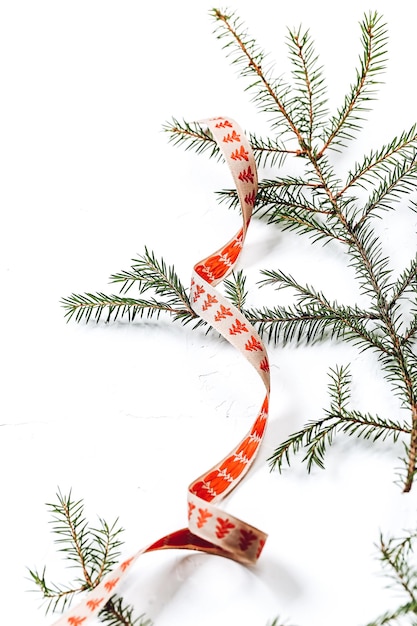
(399, 563)
(316, 435)
(92, 552)
(146, 274)
(320, 204)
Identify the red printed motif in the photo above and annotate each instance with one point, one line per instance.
(198, 291)
(250, 198)
(238, 155)
(209, 302)
(264, 365)
(253, 344)
(231, 137)
(238, 328)
(126, 564)
(222, 313)
(260, 548)
(93, 604)
(223, 124)
(110, 584)
(223, 528)
(246, 538)
(247, 176)
(203, 516)
(191, 508)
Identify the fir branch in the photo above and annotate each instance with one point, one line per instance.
(294, 205)
(317, 435)
(396, 558)
(392, 617)
(147, 274)
(292, 182)
(348, 119)
(309, 100)
(93, 551)
(395, 555)
(348, 322)
(370, 264)
(56, 597)
(412, 450)
(117, 613)
(298, 207)
(339, 389)
(193, 136)
(235, 289)
(368, 169)
(400, 180)
(298, 219)
(269, 152)
(316, 203)
(105, 548)
(84, 307)
(73, 535)
(411, 332)
(270, 93)
(373, 273)
(407, 281)
(308, 325)
(292, 192)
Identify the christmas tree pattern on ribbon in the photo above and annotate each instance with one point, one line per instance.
(209, 529)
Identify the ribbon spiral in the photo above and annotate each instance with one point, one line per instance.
(209, 528)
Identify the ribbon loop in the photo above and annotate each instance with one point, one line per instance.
(209, 528)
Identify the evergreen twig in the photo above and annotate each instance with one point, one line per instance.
(317, 203)
(92, 552)
(316, 436)
(147, 273)
(117, 613)
(398, 561)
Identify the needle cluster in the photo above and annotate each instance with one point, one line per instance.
(91, 552)
(400, 567)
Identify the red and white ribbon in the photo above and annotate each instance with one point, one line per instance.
(209, 528)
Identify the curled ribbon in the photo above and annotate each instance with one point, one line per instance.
(209, 528)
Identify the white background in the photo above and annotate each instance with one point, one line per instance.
(127, 415)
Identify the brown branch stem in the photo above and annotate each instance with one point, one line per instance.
(397, 353)
(412, 453)
(110, 608)
(308, 85)
(78, 548)
(258, 71)
(403, 581)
